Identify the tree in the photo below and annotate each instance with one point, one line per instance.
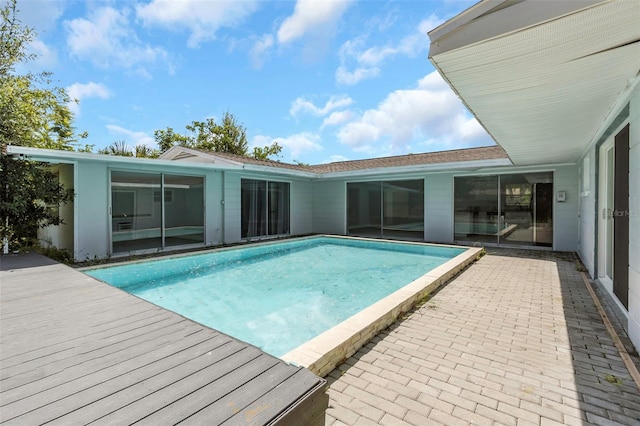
(267, 151)
(143, 151)
(30, 204)
(229, 136)
(119, 147)
(32, 113)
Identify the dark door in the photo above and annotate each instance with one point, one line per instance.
(621, 218)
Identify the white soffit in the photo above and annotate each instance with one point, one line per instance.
(544, 91)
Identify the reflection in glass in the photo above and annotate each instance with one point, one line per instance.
(510, 209)
(264, 212)
(476, 209)
(403, 212)
(135, 219)
(147, 213)
(393, 209)
(364, 209)
(184, 209)
(278, 208)
(526, 204)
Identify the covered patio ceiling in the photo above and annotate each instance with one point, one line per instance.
(541, 77)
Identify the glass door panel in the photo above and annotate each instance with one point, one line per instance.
(476, 209)
(254, 208)
(136, 217)
(403, 209)
(184, 209)
(364, 204)
(526, 206)
(278, 208)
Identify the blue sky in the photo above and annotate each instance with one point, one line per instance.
(328, 80)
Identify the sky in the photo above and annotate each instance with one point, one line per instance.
(329, 80)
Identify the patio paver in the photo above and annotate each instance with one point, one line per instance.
(515, 339)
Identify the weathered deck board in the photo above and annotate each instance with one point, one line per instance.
(74, 351)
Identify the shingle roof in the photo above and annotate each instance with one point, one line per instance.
(251, 160)
(451, 156)
(439, 157)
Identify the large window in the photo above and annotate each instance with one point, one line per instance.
(265, 208)
(154, 211)
(513, 209)
(392, 209)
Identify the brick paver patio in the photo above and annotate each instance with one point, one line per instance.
(514, 340)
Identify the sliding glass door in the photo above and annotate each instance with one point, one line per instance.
(183, 210)
(265, 208)
(390, 209)
(155, 211)
(364, 209)
(476, 209)
(512, 209)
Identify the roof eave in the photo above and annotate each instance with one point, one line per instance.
(51, 155)
(279, 171)
(420, 168)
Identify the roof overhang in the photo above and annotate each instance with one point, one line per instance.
(543, 78)
(419, 168)
(55, 156)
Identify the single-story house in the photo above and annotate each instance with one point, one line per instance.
(554, 83)
(192, 198)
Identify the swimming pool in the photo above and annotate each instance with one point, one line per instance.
(280, 295)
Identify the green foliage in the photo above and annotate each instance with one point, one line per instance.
(121, 148)
(267, 151)
(229, 136)
(168, 138)
(143, 151)
(30, 204)
(60, 255)
(32, 112)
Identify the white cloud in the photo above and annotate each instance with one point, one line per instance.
(41, 14)
(202, 18)
(137, 138)
(46, 57)
(349, 78)
(337, 117)
(260, 49)
(80, 91)
(311, 16)
(366, 62)
(301, 105)
(107, 39)
(297, 144)
(430, 113)
(300, 143)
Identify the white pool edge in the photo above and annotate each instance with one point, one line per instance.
(326, 351)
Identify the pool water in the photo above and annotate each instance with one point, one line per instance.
(279, 295)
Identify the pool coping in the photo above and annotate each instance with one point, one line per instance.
(326, 351)
(329, 349)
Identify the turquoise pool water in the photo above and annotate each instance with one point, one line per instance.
(279, 295)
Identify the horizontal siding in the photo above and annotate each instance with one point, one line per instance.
(301, 198)
(213, 208)
(232, 208)
(565, 223)
(329, 207)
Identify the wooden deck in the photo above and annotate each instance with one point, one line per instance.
(74, 350)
